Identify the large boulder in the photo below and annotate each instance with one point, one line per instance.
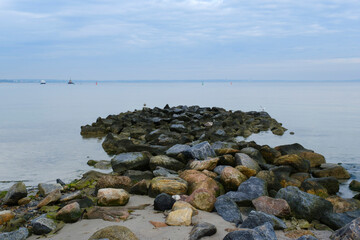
(256, 219)
(337, 220)
(132, 160)
(269, 154)
(163, 202)
(348, 232)
(69, 213)
(165, 162)
(114, 233)
(264, 232)
(197, 180)
(331, 170)
(15, 193)
(304, 205)
(315, 159)
(298, 163)
(355, 185)
(231, 178)
(202, 151)
(169, 185)
(228, 209)
(273, 206)
(343, 204)
(202, 230)
(295, 148)
(112, 197)
(244, 160)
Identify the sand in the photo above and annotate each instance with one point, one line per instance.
(139, 224)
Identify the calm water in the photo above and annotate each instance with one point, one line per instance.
(40, 124)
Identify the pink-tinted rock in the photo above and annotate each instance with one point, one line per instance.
(273, 206)
(54, 196)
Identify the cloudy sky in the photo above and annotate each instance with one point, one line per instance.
(180, 39)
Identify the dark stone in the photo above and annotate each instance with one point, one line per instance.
(59, 181)
(254, 154)
(330, 183)
(349, 232)
(304, 205)
(228, 209)
(203, 151)
(291, 149)
(160, 171)
(140, 188)
(130, 161)
(219, 169)
(256, 219)
(137, 175)
(307, 237)
(85, 202)
(355, 185)
(181, 152)
(15, 193)
(336, 220)
(20, 234)
(202, 230)
(264, 232)
(42, 225)
(163, 202)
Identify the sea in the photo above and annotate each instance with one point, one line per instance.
(40, 137)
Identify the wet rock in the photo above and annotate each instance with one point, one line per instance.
(315, 188)
(355, 185)
(42, 225)
(88, 180)
(202, 199)
(69, 213)
(181, 152)
(219, 169)
(112, 197)
(163, 172)
(244, 160)
(109, 181)
(304, 205)
(6, 216)
(269, 154)
(85, 202)
(20, 234)
(114, 233)
(232, 178)
(132, 160)
(254, 154)
(331, 170)
(228, 209)
(46, 188)
(50, 198)
(203, 151)
(293, 160)
(331, 184)
(202, 230)
(163, 202)
(70, 196)
(349, 231)
(264, 232)
(165, 162)
(273, 206)
(137, 175)
(295, 148)
(24, 201)
(179, 128)
(15, 193)
(256, 219)
(141, 188)
(315, 159)
(208, 164)
(169, 185)
(179, 217)
(271, 179)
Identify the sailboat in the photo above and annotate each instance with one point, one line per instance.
(70, 82)
(42, 82)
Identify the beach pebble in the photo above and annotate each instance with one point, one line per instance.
(15, 193)
(180, 217)
(163, 202)
(69, 213)
(114, 233)
(202, 230)
(112, 197)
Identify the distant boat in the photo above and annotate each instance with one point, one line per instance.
(42, 82)
(70, 82)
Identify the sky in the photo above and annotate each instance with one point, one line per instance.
(180, 39)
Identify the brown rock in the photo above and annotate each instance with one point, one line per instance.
(285, 182)
(199, 180)
(227, 159)
(315, 159)
(169, 185)
(298, 233)
(114, 233)
(182, 204)
(331, 170)
(202, 199)
(6, 216)
(69, 213)
(112, 197)
(208, 164)
(24, 201)
(341, 205)
(295, 161)
(109, 181)
(223, 151)
(300, 176)
(315, 188)
(269, 154)
(179, 217)
(248, 172)
(54, 196)
(232, 178)
(210, 173)
(273, 206)
(141, 188)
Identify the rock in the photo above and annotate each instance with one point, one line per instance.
(203, 151)
(315, 159)
(42, 225)
(103, 164)
(169, 185)
(179, 204)
(219, 169)
(70, 196)
(6, 216)
(24, 201)
(197, 180)
(158, 224)
(163, 202)
(300, 176)
(228, 209)
(114, 233)
(277, 207)
(291, 149)
(202, 230)
(20, 234)
(256, 219)
(209, 173)
(348, 232)
(293, 160)
(254, 154)
(307, 237)
(50, 198)
(227, 159)
(88, 180)
(315, 188)
(201, 165)
(46, 188)
(15, 193)
(271, 179)
(137, 175)
(245, 160)
(85, 202)
(112, 197)
(177, 128)
(181, 152)
(343, 205)
(304, 205)
(331, 184)
(165, 162)
(331, 170)
(132, 160)
(264, 232)
(202, 199)
(269, 154)
(231, 178)
(70, 213)
(141, 188)
(179, 217)
(163, 172)
(336, 220)
(355, 185)
(109, 181)
(246, 171)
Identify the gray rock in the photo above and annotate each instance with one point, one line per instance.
(15, 193)
(130, 161)
(103, 164)
(165, 162)
(201, 230)
(160, 171)
(350, 231)
(254, 154)
(307, 237)
(203, 151)
(70, 196)
(336, 220)
(20, 234)
(219, 169)
(228, 209)
(180, 149)
(178, 128)
(245, 160)
(304, 205)
(220, 145)
(256, 219)
(291, 149)
(137, 175)
(46, 188)
(42, 225)
(264, 232)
